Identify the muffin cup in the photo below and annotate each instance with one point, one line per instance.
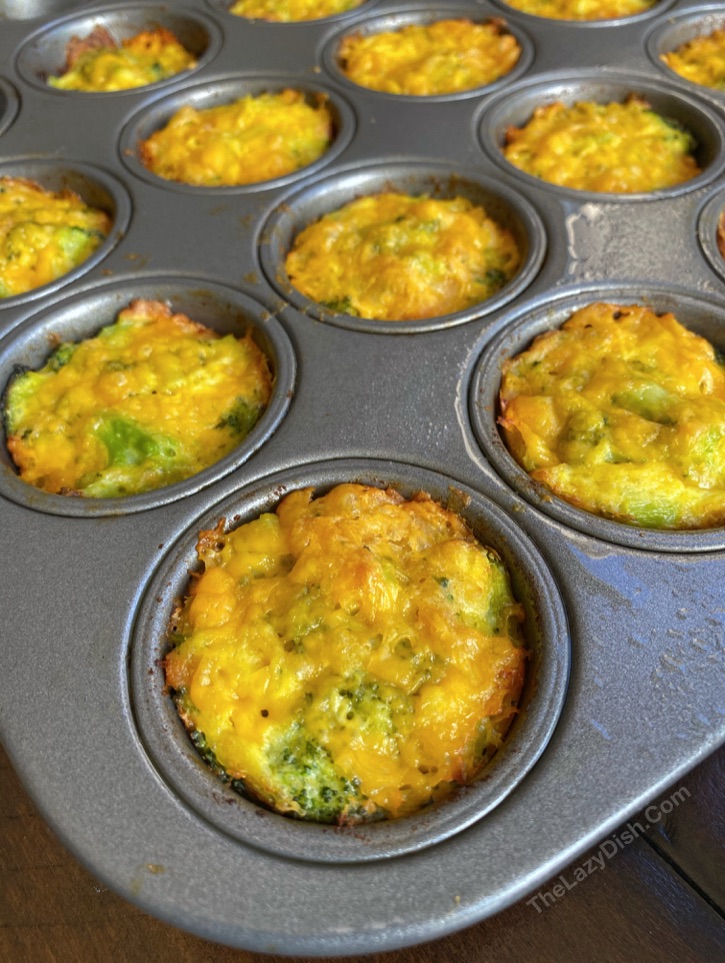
(224, 91)
(95, 187)
(44, 53)
(516, 105)
(546, 639)
(505, 206)
(397, 19)
(224, 309)
(704, 317)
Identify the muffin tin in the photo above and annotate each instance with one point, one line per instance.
(624, 626)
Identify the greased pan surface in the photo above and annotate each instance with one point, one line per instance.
(625, 690)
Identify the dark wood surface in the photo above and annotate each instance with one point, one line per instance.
(659, 898)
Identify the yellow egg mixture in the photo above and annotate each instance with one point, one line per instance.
(150, 400)
(397, 257)
(614, 147)
(43, 234)
(622, 412)
(99, 64)
(348, 657)
(291, 11)
(582, 9)
(425, 59)
(700, 60)
(255, 138)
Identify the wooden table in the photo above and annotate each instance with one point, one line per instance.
(658, 898)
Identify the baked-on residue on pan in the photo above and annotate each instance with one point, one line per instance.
(44, 234)
(349, 657)
(622, 412)
(399, 257)
(151, 399)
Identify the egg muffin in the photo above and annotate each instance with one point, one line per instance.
(700, 60)
(44, 234)
(621, 148)
(256, 138)
(397, 257)
(582, 9)
(151, 399)
(621, 412)
(442, 57)
(349, 657)
(291, 11)
(97, 63)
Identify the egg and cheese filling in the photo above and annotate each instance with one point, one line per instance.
(347, 657)
(582, 9)
(291, 11)
(255, 138)
(397, 257)
(151, 399)
(43, 234)
(622, 412)
(99, 64)
(421, 60)
(700, 60)
(615, 147)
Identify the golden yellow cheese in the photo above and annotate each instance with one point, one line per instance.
(255, 138)
(397, 257)
(622, 412)
(582, 9)
(442, 57)
(291, 11)
(99, 64)
(350, 656)
(613, 147)
(43, 234)
(151, 399)
(700, 60)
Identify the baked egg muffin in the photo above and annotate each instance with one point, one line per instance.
(621, 412)
(398, 257)
(349, 657)
(421, 60)
(151, 399)
(291, 11)
(700, 60)
(582, 9)
(44, 234)
(97, 63)
(255, 138)
(621, 148)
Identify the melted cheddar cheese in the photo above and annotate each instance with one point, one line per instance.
(582, 9)
(700, 60)
(43, 234)
(397, 257)
(99, 64)
(622, 412)
(621, 148)
(150, 400)
(291, 11)
(348, 657)
(426, 59)
(254, 139)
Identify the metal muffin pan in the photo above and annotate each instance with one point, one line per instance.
(87, 589)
